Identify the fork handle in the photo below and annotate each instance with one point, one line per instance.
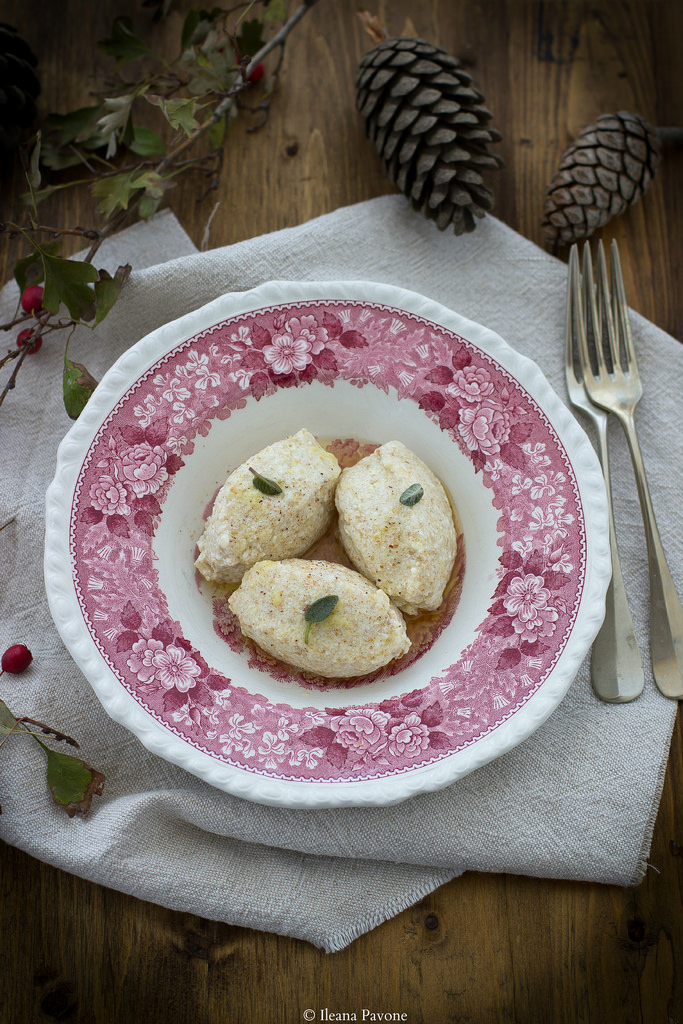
(666, 611)
(617, 672)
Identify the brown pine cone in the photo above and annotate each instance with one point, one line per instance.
(608, 167)
(429, 127)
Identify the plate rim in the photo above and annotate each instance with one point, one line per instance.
(122, 706)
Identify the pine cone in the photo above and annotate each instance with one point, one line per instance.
(19, 87)
(608, 167)
(428, 126)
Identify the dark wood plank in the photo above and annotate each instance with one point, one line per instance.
(483, 948)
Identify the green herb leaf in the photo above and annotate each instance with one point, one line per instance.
(146, 142)
(115, 192)
(78, 385)
(250, 39)
(216, 134)
(106, 292)
(29, 269)
(7, 719)
(123, 44)
(318, 611)
(72, 127)
(412, 495)
(68, 282)
(264, 484)
(275, 10)
(33, 163)
(197, 25)
(178, 113)
(72, 782)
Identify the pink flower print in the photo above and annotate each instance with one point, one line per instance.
(542, 487)
(484, 428)
(560, 560)
(409, 738)
(174, 667)
(140, 660)
(173, 389)
(143, 467)
(108, 495)
(527, 604)
(471, 383)
(238, 736)
(293, 347)
(361, 730)
(199, 366)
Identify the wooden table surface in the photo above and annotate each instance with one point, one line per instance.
(483, 948)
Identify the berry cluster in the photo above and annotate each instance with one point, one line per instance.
(31, 302)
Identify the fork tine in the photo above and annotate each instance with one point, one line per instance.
(574, 316)
(588, 310)
(621, 307)
(606, 314)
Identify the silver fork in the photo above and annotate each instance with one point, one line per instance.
(616, 387)
(616, 666)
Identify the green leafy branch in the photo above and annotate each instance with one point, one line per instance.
(71, 781)
(129, 167)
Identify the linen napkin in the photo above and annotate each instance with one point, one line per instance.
(576, 800)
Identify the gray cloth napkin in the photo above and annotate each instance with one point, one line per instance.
(577, 800)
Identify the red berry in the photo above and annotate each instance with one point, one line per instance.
(28, 338)
(16, 658)
(257, 74)
(32, 299)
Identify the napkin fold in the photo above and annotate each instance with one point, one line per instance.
(577, 800)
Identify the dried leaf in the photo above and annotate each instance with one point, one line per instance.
(114, 124)
(78, 385)
(373, 26)
(72, 782)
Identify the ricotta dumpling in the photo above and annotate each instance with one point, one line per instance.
(407, 550)
(247, 525)
(363, 632)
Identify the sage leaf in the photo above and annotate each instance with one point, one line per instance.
(318, 611)
(412, 495)
(264, 484)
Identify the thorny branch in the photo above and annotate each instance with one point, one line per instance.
(169, 162)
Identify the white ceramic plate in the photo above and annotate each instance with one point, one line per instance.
(181, 408)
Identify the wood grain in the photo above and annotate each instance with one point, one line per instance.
(482, 948)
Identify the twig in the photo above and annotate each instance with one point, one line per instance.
(13, 379)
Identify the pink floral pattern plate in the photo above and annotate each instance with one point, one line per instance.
(138, 471)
